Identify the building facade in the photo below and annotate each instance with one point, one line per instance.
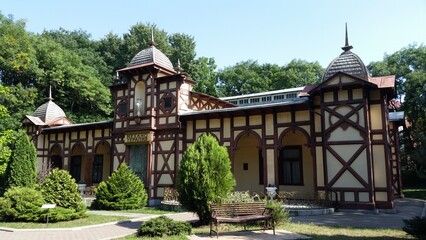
(338, 138)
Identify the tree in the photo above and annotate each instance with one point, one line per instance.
(298, 73)
(17, 55)
(182, 48)
(204, 176)
(243, 78)
(21, 171)
(409, 66)
(80, 42)
(203, 72)
(123, 190)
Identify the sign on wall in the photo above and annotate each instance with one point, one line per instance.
(133, 138)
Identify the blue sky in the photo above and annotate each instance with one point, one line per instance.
(269, 31)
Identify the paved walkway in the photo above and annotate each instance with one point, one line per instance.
(405, 208)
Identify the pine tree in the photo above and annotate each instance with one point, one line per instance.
(204, 176)
(123, 190)
(22, 171)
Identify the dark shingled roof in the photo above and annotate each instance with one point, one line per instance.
(151, 55)
(49, 111)
(349, 63)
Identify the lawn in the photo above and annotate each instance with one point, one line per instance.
(419, 193)
(316, 232)
(90, 220)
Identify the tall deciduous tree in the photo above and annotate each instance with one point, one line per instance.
(204, 176)
(409, 66)
(21, 171)
(203, 71)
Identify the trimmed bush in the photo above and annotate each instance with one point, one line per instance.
(164, 226)
(415, 227)
(204, 176)
(122, 190)
(277, 211)
(21, 171)
(21, 204)
(60, 188)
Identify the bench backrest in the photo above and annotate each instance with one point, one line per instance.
(237, 209)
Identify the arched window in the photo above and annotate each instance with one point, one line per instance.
(139, 100)
(98, 165)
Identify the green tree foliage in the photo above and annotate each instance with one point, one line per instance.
(17, 55)
(21, 171)
(7, 138)
(122, 190)
(250, 77)
(21, 204)
(110, 48)
(204, 176)
(298, 73)
(60, 188)
(80, 42)
(19, 101)
(182, 48)
(203, 71)
(409, 66)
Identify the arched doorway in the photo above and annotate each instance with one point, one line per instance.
(55, 157)
(76, 165)
(248, 163)
(295, 164)
(101, 163)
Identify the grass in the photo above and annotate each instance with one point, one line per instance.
(90, 220)
(316, 232)
(419, 193)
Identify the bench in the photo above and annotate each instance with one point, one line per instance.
(239, 213)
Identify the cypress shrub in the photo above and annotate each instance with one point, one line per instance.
(21, 204)
(122, 190)
(60, 188)
(21, 170)
(204, 176)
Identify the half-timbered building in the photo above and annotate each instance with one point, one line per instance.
(337, 138)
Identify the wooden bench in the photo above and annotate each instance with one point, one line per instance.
(239, 213)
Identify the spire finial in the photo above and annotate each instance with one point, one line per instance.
(50, 93)
(178, 68)
(152, 43)
(347, 47)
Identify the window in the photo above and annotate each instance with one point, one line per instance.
(167, 102)
(290, 166)
(122, 109)
(254, 100)
(56, 161)
(75, 169)
(98, 164)
(260, 167)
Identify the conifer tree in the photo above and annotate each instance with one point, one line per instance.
(204, 176)
(22, 171)
(122, 190)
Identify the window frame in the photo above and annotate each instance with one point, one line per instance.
(298, 160)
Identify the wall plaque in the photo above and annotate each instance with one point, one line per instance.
(134, 138)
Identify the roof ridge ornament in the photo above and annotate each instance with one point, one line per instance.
(50, 94)
(178, 68)
(347, 47)
(152, 43)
